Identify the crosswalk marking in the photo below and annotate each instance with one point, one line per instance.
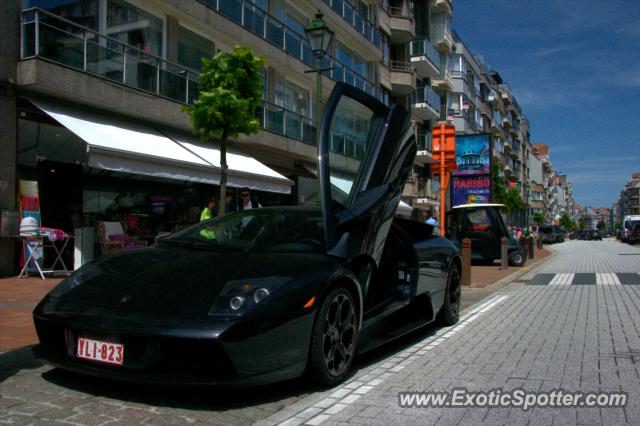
(562, 279)
(586, 278)
(607, 279)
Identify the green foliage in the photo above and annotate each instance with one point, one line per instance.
(538, 218)
(502, 194)
(601, 225)
(230, 91)
(565, 221)
(582, 224)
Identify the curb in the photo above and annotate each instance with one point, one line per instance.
(513, 277)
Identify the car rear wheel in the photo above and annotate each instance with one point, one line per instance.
(516, 258)
(450, 312)
(333, 340)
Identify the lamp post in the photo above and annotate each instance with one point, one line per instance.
(319, 37)
(526, 206)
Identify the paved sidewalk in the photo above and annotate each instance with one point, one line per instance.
(539, 338)
(18, 297)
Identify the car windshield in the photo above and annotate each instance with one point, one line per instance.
(268, 229)
(546, 229)
(629, 224)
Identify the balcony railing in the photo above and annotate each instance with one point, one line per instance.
(426, 95)
(50, 37)
(425, 48)
(260, 22)
(400, 12)
(425, 142)
(401, 66)
(346, 10)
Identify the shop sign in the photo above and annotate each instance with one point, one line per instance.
(470, 190)
(473, 155)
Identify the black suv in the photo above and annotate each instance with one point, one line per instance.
(594, 234)
(551, 234)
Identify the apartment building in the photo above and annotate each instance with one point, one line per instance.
(628, 202)
(98, 86)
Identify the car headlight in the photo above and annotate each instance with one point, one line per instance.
(240, 296)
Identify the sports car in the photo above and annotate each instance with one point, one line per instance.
(273, 293)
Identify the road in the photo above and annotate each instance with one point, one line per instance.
(572, 323)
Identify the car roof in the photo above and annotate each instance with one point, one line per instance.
(464, 206)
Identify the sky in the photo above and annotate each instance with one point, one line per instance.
(574, 67)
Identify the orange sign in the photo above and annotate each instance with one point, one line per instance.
(444, 145)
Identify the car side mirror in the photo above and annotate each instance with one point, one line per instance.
(161, 235)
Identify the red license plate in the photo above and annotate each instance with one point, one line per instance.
(95, 350)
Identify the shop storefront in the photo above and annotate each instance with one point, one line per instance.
(79, 168)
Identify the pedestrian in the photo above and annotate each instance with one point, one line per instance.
(229, 203)
(209, 210)
(434, 222)
(247, 202)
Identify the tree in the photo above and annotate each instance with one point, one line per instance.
(230, 92)
(510, 197)
(582, 224)
(601, 225)
(565, 221)
(538, 218)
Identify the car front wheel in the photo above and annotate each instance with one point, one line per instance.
(333, 340)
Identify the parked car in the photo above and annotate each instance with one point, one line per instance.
(634, 235)
(266, 294)
(551, 234)
(594, 234)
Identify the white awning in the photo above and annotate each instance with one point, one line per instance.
(125, 146)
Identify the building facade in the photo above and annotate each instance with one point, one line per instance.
(79, 71)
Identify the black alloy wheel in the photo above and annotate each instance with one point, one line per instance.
(333, 340)
(450, 312)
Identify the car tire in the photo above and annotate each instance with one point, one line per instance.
(450, 312)
(333, 339)
(517, 258)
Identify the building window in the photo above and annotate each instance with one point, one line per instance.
(192, 48)
(134, 27)
(82, 12)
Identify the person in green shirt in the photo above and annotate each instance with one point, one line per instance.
(210, 210)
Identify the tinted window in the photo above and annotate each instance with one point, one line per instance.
(257, 230)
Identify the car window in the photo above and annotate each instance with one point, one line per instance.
(253, 230)
(476, 221)
(353, 131)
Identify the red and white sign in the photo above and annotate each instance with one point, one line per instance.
(95, 350)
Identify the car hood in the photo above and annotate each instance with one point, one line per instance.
(162, 279)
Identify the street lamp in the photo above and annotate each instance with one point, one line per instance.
(319, 37)
(526, 206)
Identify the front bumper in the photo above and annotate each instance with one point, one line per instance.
(174, 349)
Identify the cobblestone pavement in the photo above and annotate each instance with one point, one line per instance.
(536, 337)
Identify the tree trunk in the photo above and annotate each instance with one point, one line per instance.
(223, 174)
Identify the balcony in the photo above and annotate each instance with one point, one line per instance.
(508, 147)
(441, 33)
(443, 82)
(346, 10)
(425, 148)
(403, 78)
(506, 122)
(54, 40)
(443, 6)
(425, 104)
(425, 58)
(496, 128)
(403, 29)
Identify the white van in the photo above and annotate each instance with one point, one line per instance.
(627, 225)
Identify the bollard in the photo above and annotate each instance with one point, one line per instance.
(539, 242)
(531, 247)
(466, 262)
(504, 261)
